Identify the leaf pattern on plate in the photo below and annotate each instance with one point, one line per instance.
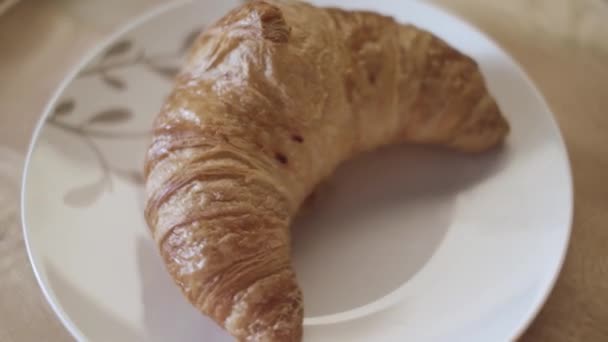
(190, 39)
(114, 82)
(168, 72)
(111, 116)
(108, 71)
(64, 107)
(118, 48)
(135, 177)
(84, 195)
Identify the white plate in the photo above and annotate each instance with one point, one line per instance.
(406, 244)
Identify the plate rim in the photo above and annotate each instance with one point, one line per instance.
(92, 53)
(525, 320)
(541, 299)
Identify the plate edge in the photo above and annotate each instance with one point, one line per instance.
(542, 298)
(49, 295)
(525, 321)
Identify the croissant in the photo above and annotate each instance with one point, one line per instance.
(271, 99)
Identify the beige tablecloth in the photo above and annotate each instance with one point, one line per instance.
(562, 44)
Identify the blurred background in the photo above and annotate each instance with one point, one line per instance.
(562, 44)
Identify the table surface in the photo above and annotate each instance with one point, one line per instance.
(562, 44)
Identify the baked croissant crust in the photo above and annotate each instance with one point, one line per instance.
(272, 98)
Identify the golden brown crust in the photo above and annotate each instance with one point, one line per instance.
(272, 99)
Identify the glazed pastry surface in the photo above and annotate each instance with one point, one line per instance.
(272, 98)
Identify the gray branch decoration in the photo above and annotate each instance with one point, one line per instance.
(106, 65)
(96, 127)
(87, 194)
